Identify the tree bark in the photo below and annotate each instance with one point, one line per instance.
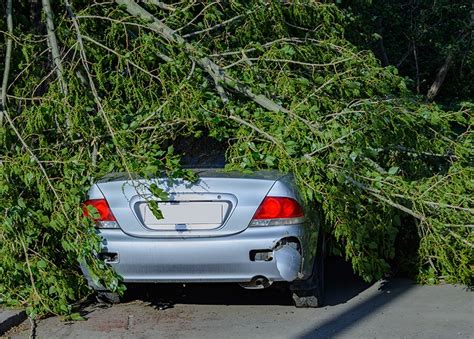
(53, 45)
(434, 89)
(8, 56)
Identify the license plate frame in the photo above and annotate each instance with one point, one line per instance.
(185, 215)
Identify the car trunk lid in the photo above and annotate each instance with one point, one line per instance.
(218, 204)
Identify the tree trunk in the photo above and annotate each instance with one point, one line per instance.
(434, 89)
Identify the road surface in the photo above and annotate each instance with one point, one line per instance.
(387, 309)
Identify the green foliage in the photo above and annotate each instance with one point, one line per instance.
(360, 145)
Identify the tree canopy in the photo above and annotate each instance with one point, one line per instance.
(90, 89)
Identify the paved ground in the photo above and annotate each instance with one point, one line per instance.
(392, 309)
(10, 318)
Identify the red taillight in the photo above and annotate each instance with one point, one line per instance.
(102, 207)
(278, 208)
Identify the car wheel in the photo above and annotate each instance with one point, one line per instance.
(313, 297)
(108, 297)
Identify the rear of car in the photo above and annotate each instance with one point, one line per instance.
(226, 227)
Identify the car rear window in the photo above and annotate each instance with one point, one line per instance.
(202, 152)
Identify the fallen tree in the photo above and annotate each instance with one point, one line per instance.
(276, 81)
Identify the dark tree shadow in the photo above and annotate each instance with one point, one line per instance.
(342, 322)
(342, 285)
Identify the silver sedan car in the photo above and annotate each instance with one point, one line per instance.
(250, 229)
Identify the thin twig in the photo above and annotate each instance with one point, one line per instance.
(193, 65)
(206, 30)
(34, 61)
(158, 110)
(293, 40)
(287, 61)
(457, 236)
(338, 140)
(255, 128)
(407, 53)
(197, 16)
(95, 94)
(302, 28)
(52, 71)
(441, 205)
(30, 272)
(85, 37)
(414, 151)
(35, 159)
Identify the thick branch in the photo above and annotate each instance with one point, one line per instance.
(384, 199)
(53, 44)
(434, 89)
(207, 64)
(8, 56)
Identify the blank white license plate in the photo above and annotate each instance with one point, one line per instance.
(185, 215)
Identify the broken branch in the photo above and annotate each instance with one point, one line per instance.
(207, 64)
(53, 45)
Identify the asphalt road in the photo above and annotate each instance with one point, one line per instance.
(387, 309)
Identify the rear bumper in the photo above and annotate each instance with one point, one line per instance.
(216, 259)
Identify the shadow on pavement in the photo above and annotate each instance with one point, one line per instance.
(338, 324)
(341, 286)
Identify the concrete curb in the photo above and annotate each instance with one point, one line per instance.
(10, 319)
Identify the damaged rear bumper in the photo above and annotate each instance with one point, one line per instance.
(275, 253)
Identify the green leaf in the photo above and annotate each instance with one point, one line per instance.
(393, 170)
(41, 264)
(153, 205)
(158, 192)
(75, 317)
(93, 212)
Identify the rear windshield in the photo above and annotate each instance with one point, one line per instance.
(203, 152)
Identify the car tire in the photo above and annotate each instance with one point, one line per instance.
(313, 297)
(108, 297)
